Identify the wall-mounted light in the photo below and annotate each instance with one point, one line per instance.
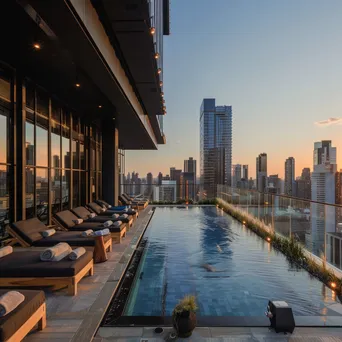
(152, 30)
(156, 55)
(333, 285)
(162, 94)
(37, 46)
(159, 71)
(161, 83)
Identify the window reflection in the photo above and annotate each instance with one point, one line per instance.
(65, 189)
(66, 152)
(42, 103)
(42, 193)
(76, 189)
(29, 193)
(29, 142)
(4, 199)
(3, 135)
(55, 190)
(55, 150)
(42, 146)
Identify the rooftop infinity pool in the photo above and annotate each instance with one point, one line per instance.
(231, 271)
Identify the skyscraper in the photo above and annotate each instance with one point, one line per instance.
(215, 146)
(236, 175)
(303, 184)
(290, 177)
(160, 178)
(261, 172)
(190, 166)
(245, 172)
(322, 190)
(175, 175)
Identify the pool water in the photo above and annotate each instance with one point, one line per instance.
(248, 271)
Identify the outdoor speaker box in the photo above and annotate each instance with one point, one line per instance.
(282, 320)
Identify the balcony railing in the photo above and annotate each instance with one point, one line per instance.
(317, 226)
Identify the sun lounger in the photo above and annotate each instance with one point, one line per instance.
(66, 219)
(84, 213)
(28, 233)
(122, 209)
(15, 325)
(127, 201)
(25, 269)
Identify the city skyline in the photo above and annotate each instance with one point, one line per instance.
(284, 90)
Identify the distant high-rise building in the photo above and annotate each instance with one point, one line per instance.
(273, 184)
(149, 178)
(290, 177)
(166, 178)
(236, 175)
(322, 190)
(190, 166)
(245, 172)
(149, 185)
(187, 186)
(215, 146)
(160, 178)
(261, 172)
(175, 175)
(303, 184)
(166, 192)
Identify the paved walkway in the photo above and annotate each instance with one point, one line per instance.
(77, 318)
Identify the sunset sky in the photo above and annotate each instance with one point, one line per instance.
(278, 63)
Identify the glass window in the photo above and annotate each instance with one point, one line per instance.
(42, 146)
(66, 152)
(82, 156)
(84, 188)
(75, 189)
(65, 189)
(42, 193)
(29, 196)
(4, 199)
(55, 150)
(42, 103)
(30, 95)
(92, 158)
(3, 137)
(29, 142)
(5, 88)
(99, 185)
(75, 124)
(56, 190)
(75, 154)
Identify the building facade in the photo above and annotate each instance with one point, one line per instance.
(290, 185)
(261, 172)
(303, 184)
(215, 146)
(323, 217)
(190, 165)
(73, 94)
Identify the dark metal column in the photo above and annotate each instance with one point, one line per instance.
(110, 167)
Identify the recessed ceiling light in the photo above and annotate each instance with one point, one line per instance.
(77, 85)
(159, 71)
(100, 106)
(37, 46)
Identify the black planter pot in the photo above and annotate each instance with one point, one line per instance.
(184, 323)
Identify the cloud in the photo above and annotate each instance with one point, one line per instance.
(329, 122)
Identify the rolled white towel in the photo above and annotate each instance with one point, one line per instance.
(117, 224)
(5, 251)
(77, 221)
(9, 301)
(123, 216)
(48, 232)
(102, 232)
(115, 216)
(108, 224)
(88, 232)
(56, 253)
(77, 253)
(109, 206)
(103, 210)
(92, 215)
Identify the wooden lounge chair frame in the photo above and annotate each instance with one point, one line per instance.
(17, 239)
(38, 317)
(56, 282)
(116, 236)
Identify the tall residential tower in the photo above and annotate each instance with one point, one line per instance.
(290, 185)
(215, 146)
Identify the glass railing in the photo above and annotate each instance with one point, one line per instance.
(317, 226)
(170, 193)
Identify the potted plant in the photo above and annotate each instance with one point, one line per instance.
(184, 316)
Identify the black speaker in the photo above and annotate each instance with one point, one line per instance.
(281, 316)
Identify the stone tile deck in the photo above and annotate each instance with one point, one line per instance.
(77, 318)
